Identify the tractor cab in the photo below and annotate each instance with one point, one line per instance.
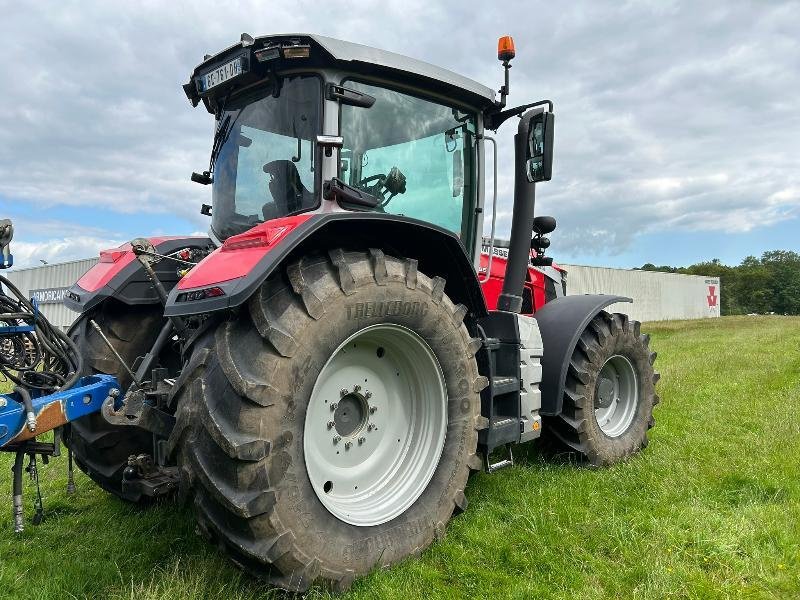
(294, 113)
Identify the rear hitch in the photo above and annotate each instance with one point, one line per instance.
(143, 477)
(141, 406)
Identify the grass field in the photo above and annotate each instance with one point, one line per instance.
(710, 510)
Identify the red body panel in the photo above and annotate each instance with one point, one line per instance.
(112, 261)
(240, 253)
(534, 282)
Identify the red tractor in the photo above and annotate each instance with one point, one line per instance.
(325, 370)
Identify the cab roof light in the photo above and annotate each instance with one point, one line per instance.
(297, 51)
(268, 53)
(505, 48)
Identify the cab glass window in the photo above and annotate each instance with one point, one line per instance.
(414, 155)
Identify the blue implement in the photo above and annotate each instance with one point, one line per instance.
(53, 410)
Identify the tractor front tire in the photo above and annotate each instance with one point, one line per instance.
(609, 393)
(101, 450)
(330, 427)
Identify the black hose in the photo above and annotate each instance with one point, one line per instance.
(45, 359)
(17, 491)
(30, 416)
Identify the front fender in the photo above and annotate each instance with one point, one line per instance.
(561, 323)
(231, 274)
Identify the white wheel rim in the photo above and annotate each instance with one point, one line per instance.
(373, 454)
(616, 396)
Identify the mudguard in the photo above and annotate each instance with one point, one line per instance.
(227, 277)
(561, 322)
(119, 275)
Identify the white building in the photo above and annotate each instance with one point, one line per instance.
(656, 296)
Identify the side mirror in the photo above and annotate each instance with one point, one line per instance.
(539, 151)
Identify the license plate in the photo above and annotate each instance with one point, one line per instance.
(221, 74)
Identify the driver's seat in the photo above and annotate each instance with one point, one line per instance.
(289, 195)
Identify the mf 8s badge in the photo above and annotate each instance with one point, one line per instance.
(388, 308)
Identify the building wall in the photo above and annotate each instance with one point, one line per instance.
(656, 296)
(50, 277)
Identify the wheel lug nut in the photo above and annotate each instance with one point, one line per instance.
(368, 395)
(343, 392)
(347, 445)
(356, 388)
(336, 439)
(361, 440)
(372, 409)
(331, 424)
(334, 405)
(370, 427)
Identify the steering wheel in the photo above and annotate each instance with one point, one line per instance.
(394, 183)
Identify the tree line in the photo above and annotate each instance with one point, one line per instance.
(770, 284)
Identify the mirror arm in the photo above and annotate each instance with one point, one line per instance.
(496, 117)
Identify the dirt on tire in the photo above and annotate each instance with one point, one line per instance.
(576, 428)
(241, 403)
(101, 450)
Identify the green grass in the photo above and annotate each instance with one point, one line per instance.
(710, 510)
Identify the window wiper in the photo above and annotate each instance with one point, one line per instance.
(220, 137)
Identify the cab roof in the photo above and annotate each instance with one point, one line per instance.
(365, 60)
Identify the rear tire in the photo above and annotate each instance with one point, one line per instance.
(101, 450)
(609, 393)
(243, 399)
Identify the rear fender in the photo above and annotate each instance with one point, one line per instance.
(561, 323)
(231, 274)
(119, 275)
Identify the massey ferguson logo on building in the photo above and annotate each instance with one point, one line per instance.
(712, 296)
(712, 291)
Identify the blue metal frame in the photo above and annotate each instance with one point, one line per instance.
(85, 398)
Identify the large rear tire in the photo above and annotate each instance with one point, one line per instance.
(101, 450)
(253, 440)
(609, 393)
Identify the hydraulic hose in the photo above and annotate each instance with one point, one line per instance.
(19, 520)
(45, 358)
(30, 416)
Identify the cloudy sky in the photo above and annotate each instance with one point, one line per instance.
(677, 127)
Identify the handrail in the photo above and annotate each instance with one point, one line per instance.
(494, 211)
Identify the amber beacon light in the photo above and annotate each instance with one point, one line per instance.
(505, 48)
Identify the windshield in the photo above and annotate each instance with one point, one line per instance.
(416, 156)
(265, 166)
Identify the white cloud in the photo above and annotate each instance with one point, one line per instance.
(27, 254)
(669, 115)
